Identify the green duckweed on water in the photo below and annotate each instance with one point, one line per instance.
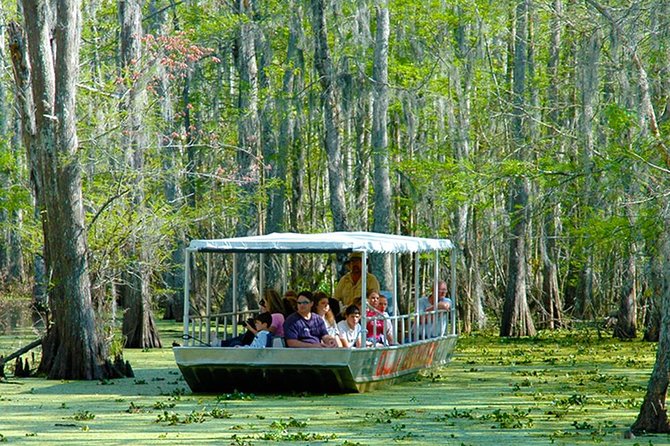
(567, 388)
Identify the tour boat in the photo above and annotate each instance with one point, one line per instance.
(208, 368)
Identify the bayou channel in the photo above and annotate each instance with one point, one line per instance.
(578, 387)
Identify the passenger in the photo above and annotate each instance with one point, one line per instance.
(263, 336)
(272, 303)
(322, 308)
(428, 328)
(349, 286)
(350, 328)
(289, 302)
(336, 308)
(382, 305)
(304, 329)
(375, 321)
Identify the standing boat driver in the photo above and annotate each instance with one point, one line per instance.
(349, 286)
(304, 329)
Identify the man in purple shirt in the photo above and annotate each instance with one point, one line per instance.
(304, 329)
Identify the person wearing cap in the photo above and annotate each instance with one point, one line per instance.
(349, 286)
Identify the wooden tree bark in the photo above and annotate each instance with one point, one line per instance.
(653, 416)
(516, 318)
(382, 183)
(626, 326)
(139, 328)
(72, 348)
(324, 68)
(171, 153)
(550, 290)
(585, 305)
(12, 269)
(248, 154)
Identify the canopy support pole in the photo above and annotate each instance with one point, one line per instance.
(417, 274)
(394, 298)
(453, 290)
(234, 293)
(364, 297)
(187, 288)
(208, 323)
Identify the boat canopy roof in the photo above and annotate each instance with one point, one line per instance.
(322, 242)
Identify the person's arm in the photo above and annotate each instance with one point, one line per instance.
(250, 328)
(444, 304)
(296, 343)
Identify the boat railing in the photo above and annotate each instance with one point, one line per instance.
(205, 329)
(405, 328)
(408, 328)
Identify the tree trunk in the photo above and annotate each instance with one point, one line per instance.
(139, 328)
(652, 315)
(516, 318)
(72, 347)
(550, 290)
(382, 183)
(586, 306)
(653, 416)
(248, 157)
(324, 67)
(626, 325)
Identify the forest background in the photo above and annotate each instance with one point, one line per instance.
(530, 133)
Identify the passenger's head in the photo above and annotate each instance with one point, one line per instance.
(304, 302)
(290, 298)
(441, 290)
(383, 303)
(262, 321)
(321, 303)
(334, 305)
(353, 315)
(373, 299)
(273, 302)
(355, 262)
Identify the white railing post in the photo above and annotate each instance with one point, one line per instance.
(187, 288)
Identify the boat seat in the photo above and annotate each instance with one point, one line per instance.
(278, 342)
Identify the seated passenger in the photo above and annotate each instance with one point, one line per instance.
(428, 327)
(272, 304)
(350, 328)
(289, 302)
(382, 305)
(375, 321)
(322, 308)
(304, 329)
(263, 336)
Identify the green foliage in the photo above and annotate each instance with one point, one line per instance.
(83, 415)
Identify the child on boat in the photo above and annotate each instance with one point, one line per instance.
(263, 336)
(350, 329)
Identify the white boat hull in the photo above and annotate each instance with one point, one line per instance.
(280, 370)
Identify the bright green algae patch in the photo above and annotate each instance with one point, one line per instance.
(568, 388)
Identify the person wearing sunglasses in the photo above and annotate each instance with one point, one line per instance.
(304, 329)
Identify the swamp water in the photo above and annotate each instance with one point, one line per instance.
(564, 389)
